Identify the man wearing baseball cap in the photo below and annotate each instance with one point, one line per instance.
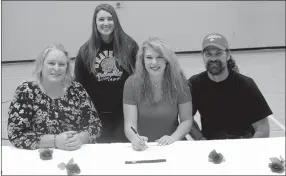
(230, 104)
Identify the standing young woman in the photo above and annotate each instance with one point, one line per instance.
(102, 66)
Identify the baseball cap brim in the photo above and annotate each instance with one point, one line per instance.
(215, 45)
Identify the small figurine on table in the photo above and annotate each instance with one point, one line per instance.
(215, 157)
(277, 165)
(46, 153)
(72, 168)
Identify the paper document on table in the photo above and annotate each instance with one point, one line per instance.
(153, 152)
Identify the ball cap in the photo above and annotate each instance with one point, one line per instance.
(216, 40)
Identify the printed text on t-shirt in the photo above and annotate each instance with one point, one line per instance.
(107, 68)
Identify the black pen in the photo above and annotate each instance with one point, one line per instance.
(137, 134)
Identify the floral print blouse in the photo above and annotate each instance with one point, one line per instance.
(32, 114)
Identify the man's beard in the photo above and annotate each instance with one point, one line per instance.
(215, 67)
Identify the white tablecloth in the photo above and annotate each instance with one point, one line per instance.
(242, 156)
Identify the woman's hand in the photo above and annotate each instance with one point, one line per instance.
(138, 144)
(73, 143)
(61, 139)
(165, 140)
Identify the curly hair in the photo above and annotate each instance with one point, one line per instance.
(173, 79)
(231, 65)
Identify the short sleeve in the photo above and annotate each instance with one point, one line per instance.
(129, 92)
(186, 95)
(193, 94)
(258, 108)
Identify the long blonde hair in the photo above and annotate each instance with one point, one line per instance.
(173, 79)
(41, 58)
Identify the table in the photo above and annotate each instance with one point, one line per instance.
(243, 156)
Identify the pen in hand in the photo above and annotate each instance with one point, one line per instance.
(137, 135)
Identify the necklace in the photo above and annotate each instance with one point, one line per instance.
(157, 85)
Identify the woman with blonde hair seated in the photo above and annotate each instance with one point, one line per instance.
(53, 111)
(154, 96)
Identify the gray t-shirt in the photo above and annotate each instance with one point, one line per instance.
(156, 120)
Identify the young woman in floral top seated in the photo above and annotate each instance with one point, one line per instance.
(53, 111)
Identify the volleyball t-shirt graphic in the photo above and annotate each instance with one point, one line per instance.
(107, 67)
